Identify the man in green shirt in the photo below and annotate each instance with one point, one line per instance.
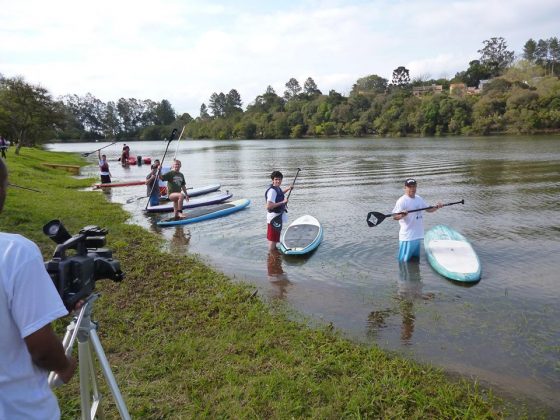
(176, 188)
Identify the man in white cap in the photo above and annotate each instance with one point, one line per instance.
(412, 225)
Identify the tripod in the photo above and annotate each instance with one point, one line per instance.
(83, 328)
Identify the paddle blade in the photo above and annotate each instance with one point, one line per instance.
(374, 218)
(276, 223)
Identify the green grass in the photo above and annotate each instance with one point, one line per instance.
(186, 342)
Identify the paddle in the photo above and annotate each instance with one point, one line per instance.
(23, 188)
(86, 154)
(156, 182)
(374, 218)
(276, 223)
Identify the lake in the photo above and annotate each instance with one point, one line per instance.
(503, 330)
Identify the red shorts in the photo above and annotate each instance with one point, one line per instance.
(272, 234)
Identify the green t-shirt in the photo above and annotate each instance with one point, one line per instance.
(175, 180)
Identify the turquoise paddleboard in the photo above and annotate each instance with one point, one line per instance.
(205, 213)
(302, 236)
(451, 255)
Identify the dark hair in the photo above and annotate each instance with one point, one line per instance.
(276, 174)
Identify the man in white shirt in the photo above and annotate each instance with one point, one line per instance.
(29, 348)
(412, 225)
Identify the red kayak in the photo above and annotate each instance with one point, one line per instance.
(133, 160)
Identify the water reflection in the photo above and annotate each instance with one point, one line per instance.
(409, 291)
(180, 240)
(276, 275)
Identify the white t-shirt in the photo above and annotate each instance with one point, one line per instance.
(271, 196)
(412, 226)
(28, 302)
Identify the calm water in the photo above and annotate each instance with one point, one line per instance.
(504, 330)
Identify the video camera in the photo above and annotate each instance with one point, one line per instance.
(74, 276)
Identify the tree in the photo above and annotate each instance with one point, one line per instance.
(554, 53)
(495, 55)
(529, 50)
(217, 104)
(292, 89)
(401, 77)
(164, 113)
(204, 115)
(232, 103)
(474, 74)
(370, 84)
(310, 87)
(541, 52)
(27, 112)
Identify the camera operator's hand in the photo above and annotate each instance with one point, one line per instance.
(66, 374)
(47, 352)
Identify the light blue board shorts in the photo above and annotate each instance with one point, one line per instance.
(408, 250)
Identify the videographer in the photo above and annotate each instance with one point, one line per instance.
(29, 348)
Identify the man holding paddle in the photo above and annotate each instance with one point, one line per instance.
(276, 208)
(104, 168)
(412, 225)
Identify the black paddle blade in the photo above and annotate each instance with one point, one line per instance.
(173, 134)
(276, 223)
(374, 218)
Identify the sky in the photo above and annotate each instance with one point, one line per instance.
(185, 50)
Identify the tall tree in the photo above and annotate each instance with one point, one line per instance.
(232, 103)
(495, 55)
(204, 115)
(292, 89)
(401, 77)
(529, 50)
(164, 113)
(541, 52)
(27, 112)
(310, 87)
(554, 54)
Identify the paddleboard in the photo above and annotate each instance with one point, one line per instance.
(451, 255)
(119, 184)
(205, 213)
(194, 192)
(196, 202)
(302, 236)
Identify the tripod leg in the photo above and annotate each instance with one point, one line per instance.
(109, 377)
(84, 360)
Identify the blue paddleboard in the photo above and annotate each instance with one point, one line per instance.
(205, 213)
(302, 236)
(451, 255)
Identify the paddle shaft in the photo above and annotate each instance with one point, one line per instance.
(23, 188)
(426, 208)
(178, 142)
(293, 183)
(374, 218)
(101, 148)
(156, 182)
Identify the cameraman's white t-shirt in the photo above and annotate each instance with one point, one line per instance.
(412, 226)
(28, 302)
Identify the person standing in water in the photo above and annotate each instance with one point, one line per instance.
(104, 168)
(411, 231)
(275, 205)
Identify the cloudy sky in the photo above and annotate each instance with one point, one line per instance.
(184, 50)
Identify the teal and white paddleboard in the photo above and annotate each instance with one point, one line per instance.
(451, 255)
(200, 214)
(302, 236)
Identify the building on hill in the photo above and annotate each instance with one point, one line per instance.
(425, 90)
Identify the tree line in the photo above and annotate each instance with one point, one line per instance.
(518, 96)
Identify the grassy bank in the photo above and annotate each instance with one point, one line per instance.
(186, 342)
